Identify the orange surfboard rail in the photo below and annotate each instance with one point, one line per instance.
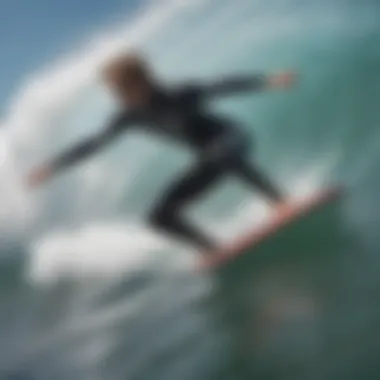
(252, 239)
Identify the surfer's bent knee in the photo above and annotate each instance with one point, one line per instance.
(162, 216)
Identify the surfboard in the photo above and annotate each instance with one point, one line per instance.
(254, 237)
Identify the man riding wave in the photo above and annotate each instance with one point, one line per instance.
(179, 113)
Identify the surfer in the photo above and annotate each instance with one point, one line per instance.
(180, 113)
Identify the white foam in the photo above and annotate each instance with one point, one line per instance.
(105, 249)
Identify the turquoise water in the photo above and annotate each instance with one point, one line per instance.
(88, 293)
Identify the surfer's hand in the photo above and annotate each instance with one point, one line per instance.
(282, 80)
(39, 176)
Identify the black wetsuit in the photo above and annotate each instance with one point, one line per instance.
(181, 114)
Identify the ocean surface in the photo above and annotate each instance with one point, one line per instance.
(89, 292)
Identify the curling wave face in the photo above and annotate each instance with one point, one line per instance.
(88, 292)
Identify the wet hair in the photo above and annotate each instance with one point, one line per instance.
(126, 68)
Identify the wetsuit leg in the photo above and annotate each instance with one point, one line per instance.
(231, 153)
(257, 179)
(226, 155)
(167, 215)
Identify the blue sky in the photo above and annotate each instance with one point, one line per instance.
(33, 31)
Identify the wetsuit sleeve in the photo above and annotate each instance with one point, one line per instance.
(84, 149)
(233, 85)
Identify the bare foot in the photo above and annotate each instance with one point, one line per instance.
(283, 209)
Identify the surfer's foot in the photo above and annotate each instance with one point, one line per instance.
(282, 209)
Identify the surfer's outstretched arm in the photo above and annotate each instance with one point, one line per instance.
(79, 152)
(250, 83)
